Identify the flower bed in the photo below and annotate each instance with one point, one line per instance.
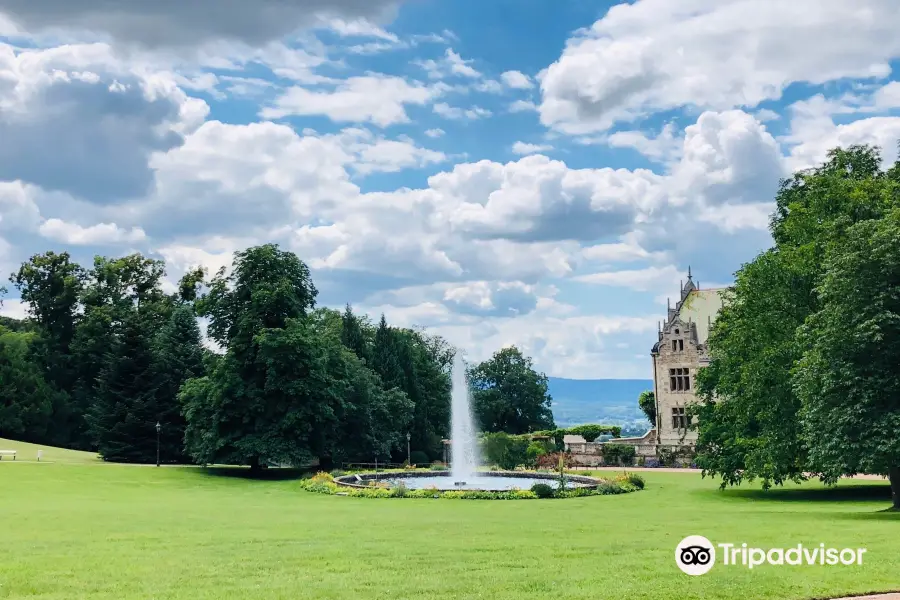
(323, 483)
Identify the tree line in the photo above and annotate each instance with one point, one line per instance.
(804, 354)
(105, 354)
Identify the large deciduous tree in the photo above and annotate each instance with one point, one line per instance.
(749, 421)
(509, 395)
(847, 379)
(249, 410)
(51, 285)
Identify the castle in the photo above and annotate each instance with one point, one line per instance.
(677, 355)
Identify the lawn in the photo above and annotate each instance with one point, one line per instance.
(28, 452)
(118, 532)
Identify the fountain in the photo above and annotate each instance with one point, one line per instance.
(464, 445)
(464, 459)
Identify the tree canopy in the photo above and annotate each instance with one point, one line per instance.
(508, 395)
(800, 354)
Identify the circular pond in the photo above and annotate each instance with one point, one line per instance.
(489, 481)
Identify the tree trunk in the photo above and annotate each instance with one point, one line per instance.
(894, 477)
(255, 466)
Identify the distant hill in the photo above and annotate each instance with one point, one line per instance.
(610, 401)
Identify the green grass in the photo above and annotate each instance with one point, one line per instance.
(28, 452)
(118, 532)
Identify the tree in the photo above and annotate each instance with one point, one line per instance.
(51, 285)
(178, 356)
(509, 395)
(385, 359)
(255, 407)
(847, 379)
(647, 402)
(122, 419)
(748, 420)
(26, 399)
(353, 336)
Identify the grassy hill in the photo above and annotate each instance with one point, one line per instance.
(28, 452)
(614, 401)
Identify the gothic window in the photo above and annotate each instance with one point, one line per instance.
(679, 419)
(677, 345)
(674, 345)
(679, 380)
(681, 345)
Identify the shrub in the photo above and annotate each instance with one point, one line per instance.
(337, 473)
(633, 479)
(666, 457)
(322, 477)
(417, 457)
(551, 461)
(608, 487)
(534, 452)
(617, 454)
(504, 450)
(652, 463)
(542, 490)
(400, 490)
(592, 432)
(438, 466)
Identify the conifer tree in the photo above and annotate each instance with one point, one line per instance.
(123, 416)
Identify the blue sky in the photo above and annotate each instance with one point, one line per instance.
(508, 172)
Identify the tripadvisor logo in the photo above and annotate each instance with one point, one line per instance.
(696, 555)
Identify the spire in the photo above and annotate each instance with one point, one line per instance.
(689, 272)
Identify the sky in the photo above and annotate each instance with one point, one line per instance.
(507, 172)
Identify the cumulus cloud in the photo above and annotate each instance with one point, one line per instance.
(517, 80)
(526, 148)
(99, 234)
(664, 146)
(377, 99)
(75, 119)
(655, 55)
(181, 24)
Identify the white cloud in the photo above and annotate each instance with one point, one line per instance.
(360, 28)
(526, 148)
(664, 146)
(655, 55)
(763, 115)
(450, 65)
(522, 106)
(813, 130)
(517, 80)
(619, 252)
(99, 234)
(460, 67)
(434, 133)
(454, 112)
(642, 280)
(380, 100)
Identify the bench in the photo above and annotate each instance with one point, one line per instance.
(7, 453)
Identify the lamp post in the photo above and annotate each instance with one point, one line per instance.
(158, 428)
(408, 459)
